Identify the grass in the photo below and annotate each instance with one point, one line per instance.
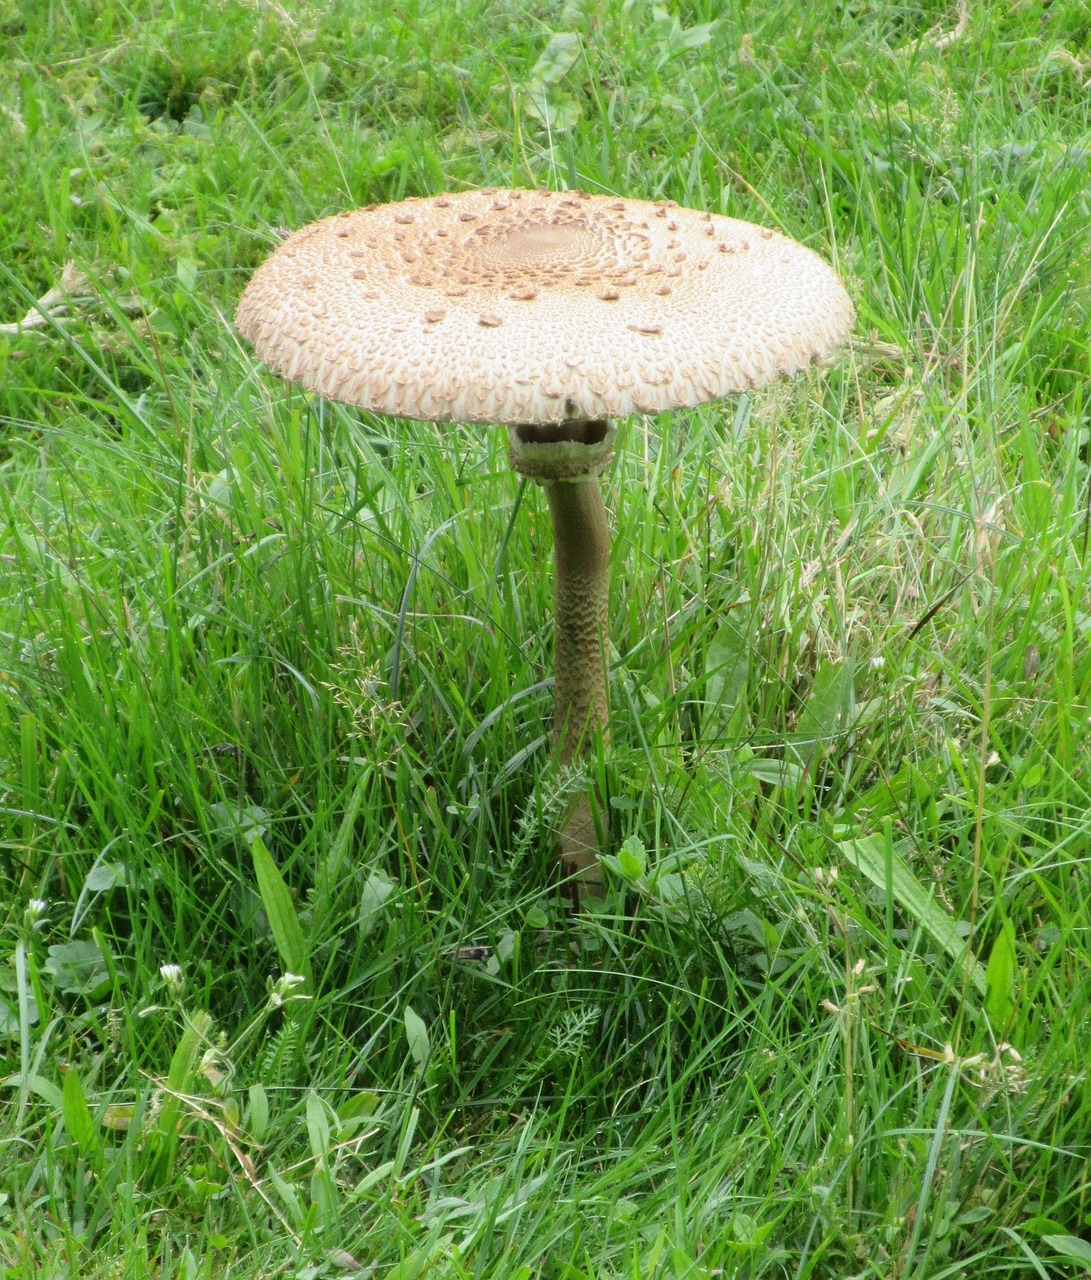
(271, 672)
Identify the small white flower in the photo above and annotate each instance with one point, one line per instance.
(36, 909)
(284, 988)
(878, 662)
(173, 976)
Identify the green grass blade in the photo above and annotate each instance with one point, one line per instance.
(870, 856)
(280, 911)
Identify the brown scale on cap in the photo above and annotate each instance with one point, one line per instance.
(530, 280)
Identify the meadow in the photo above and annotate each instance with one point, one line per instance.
(286, 985)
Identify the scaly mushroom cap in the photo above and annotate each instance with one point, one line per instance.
(536, 307)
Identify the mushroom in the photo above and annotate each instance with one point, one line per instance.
(550, 313)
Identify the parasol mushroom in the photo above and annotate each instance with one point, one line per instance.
(549, 313)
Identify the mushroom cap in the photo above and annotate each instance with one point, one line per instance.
(536, 307)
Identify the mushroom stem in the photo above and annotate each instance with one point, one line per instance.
(567, 459)
(581, 541)
(581, 546)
